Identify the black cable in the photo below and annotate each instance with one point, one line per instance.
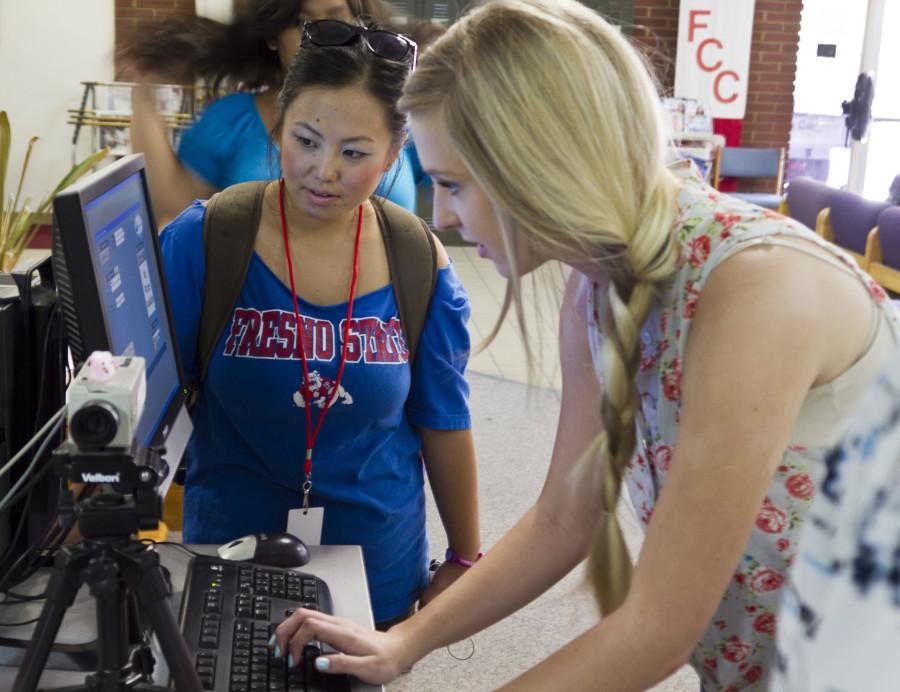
(56, 535)
(43, 374)
(54, 538)
(148, 541)
(49, 430)
(17, 535)
(20, 624)
(180, 546)
(35, 555)
(45, 356)
(6, 569)
(52, 542)
(14, 597)
(22, 523)
(12, 576)
(12, 501)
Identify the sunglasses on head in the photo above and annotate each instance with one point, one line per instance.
(384, 44)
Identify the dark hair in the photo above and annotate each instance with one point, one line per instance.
(237, 54)
(336, 67)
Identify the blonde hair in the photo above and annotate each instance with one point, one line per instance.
(557, 118)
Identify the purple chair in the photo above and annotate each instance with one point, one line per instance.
(849, 220)
(804, 199)
(883, 250)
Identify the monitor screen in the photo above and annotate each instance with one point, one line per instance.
(131, 297)
(106, 251)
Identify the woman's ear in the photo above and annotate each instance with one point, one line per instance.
(393, 153)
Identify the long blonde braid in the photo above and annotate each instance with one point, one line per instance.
(558, 120)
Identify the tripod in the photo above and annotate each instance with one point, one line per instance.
(119, 571)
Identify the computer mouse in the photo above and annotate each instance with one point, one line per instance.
(274, 549)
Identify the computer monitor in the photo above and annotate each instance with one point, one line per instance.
(106, 272)
(114, 297)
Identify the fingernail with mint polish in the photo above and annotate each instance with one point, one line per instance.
(271, 641)
(277, 653)
(290, 660)
(322, 663)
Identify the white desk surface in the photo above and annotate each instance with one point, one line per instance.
(339, 566)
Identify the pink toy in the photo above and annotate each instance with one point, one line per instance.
(102, 366)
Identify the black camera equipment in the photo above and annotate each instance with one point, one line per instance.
(124, 575)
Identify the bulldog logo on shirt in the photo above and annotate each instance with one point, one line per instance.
(321, 390)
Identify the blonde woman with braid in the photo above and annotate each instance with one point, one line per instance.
(711, 352)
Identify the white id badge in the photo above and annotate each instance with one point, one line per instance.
(306, 524)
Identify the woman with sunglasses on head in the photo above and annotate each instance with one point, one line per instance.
(229, 143)
(711, 351)
(338, 419)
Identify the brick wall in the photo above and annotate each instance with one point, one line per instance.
(773, 66)
(131, 13)
(655, 30)
(773, 62)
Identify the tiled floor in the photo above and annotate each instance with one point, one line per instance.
(505, 357)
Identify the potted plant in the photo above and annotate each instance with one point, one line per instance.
(19, 224)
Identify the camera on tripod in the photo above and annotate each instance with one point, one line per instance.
(105, 402)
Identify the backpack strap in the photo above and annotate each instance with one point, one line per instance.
(229, 233)
(412, 262)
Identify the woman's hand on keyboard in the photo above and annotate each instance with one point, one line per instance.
(374, 657)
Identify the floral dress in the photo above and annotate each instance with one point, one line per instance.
(737, 650)
(840, 617)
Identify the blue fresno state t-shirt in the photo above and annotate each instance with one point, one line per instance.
(245, 459)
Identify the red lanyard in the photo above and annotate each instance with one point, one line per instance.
(312, 434)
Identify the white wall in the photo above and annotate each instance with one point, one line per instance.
(220, 10)
(47, 47)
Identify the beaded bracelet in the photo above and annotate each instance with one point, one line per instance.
(451, 556)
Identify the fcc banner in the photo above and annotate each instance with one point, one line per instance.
(713, 57)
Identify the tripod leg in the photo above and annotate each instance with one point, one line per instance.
(153, 595)
(103, 577)
(64, 584)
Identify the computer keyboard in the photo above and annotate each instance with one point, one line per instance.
(229, 612)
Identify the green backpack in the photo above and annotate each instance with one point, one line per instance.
(229, 233)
